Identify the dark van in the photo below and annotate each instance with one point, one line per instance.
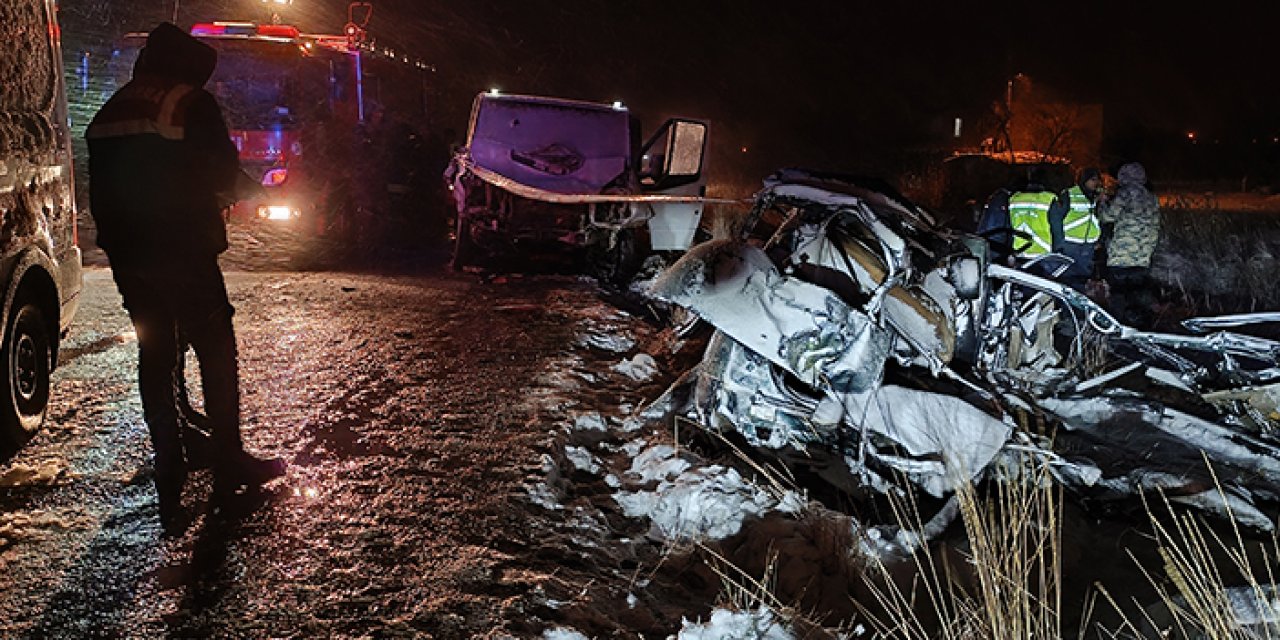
(40, 267)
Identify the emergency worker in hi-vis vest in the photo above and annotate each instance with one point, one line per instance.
(1029, 215)
(1073, 223)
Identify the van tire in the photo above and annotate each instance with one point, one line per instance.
(24, 374)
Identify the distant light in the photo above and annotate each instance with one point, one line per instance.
(744, 149)
(617, 104)
(1191, 135)
(494, 91)
(958, 127)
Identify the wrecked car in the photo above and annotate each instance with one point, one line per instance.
(855, 337)
(540, 172)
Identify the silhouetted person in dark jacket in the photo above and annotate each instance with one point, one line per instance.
(160, 159)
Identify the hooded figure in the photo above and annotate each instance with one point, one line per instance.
(159, 154)
(1135, 214)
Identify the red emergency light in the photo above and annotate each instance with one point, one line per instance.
(244, 29)
(278, 31)
(224, 29)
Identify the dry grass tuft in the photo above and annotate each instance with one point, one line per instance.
(1211, 586)
(1007, 587)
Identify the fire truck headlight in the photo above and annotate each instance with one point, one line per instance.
(275, 177)
(278, 212)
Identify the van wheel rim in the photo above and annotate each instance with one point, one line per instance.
(26, 368)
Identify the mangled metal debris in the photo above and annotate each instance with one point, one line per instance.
(856, 336)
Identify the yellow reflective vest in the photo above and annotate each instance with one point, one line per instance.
(1081, 224)
(1029, 213)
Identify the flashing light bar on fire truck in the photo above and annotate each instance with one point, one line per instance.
(246, 29)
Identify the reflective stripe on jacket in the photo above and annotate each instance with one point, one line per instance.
(1029, 213)
(1081, 224)
(159, 154)
(141, 108)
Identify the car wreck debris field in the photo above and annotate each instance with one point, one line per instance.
(959, 410)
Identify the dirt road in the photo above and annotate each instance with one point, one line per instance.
(418, 413)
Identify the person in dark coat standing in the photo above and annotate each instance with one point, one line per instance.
(160, 164)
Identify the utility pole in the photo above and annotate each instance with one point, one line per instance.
(175, 11)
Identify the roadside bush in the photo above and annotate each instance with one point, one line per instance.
(1216, 261)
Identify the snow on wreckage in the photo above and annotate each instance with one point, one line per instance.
(855, 337)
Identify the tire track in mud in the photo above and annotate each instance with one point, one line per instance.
(413, 439)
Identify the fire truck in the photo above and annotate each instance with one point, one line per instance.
(330, 126)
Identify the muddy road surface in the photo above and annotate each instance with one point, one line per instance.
(422, 417)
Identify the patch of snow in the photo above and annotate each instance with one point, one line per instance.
(632, 600)
(561, 633)
(549, 465)
(693, 503)
(658, 462)
(582, 459)
(633, 424)
(633, 448)
(542, 495)
(590, 422)
(759, 624)
(792, 502)
(885, 542)
(612, 481)
(641, 367)
(612, 341)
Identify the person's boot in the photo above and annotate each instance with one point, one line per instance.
(244, 471)
(170, 480)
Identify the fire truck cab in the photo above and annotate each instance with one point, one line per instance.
(318, 120)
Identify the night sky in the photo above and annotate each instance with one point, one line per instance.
(839, 85)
